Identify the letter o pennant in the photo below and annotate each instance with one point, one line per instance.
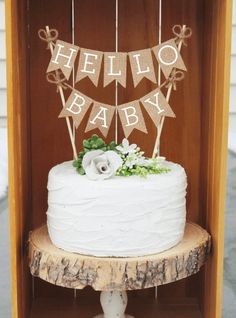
(168, 56)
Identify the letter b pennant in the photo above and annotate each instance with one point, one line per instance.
(76, 107)
(131, 117)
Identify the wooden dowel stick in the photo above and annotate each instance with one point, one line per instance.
(73, 42)
(63, 104)
(157, 142)
(116, 83)
(159, 66)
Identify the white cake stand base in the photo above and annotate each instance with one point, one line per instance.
(114, 304)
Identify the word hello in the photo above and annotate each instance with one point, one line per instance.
(115, 63)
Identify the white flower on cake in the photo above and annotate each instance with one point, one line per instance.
(125, 148)
(99, 165)
(156, 161)
(99, 160)
(135, 159)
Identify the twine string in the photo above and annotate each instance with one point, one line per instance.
(175, 76)
(181, 33)
(57, 78)
(48, 37)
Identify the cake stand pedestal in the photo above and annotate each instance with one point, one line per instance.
(114, 303)
(113, 276)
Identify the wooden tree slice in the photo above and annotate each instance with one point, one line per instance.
(73, 270)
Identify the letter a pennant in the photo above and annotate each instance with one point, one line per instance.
(100, 117)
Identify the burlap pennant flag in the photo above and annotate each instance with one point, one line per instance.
(131, 117)
(100, 117)
(63, 57)
(168, 56)
(76, 107)
(156, 105)
(115, 68)
(142, 66)
(89, 65)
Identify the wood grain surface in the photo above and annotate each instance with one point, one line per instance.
(197, 138)
(73, 270)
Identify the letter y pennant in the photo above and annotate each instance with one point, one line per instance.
(157, 106)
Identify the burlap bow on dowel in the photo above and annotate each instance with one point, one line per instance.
(174, 77)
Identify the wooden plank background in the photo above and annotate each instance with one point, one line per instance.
(38, 140)
(95, 29)
(3, 106)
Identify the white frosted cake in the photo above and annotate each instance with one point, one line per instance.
(120, 216)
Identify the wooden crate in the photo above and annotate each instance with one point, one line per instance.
(197, 139)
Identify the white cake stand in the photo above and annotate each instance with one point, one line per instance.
(114, 304)
(113, 276)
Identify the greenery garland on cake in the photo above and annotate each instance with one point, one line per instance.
(99, 160)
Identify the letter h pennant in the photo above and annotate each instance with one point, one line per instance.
(63, 57)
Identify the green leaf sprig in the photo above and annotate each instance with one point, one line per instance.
(141, 171)
(93, 143)
(97, 143)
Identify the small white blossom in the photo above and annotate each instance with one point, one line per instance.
(131, 160)
(142, 161)
(158, 161)
(125, 148)
(135, 159)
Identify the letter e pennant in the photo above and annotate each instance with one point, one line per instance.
(89, 65)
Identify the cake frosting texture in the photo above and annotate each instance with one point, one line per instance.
(120, 217)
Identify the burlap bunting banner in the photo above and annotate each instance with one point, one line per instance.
(142, 66)
(168, 56)
(131, 117)
(100, 117)
(76, 107)
(130, 114)
(115, 68)
(156, 105)
(63, 57)
(115, 63)
(89, 65)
